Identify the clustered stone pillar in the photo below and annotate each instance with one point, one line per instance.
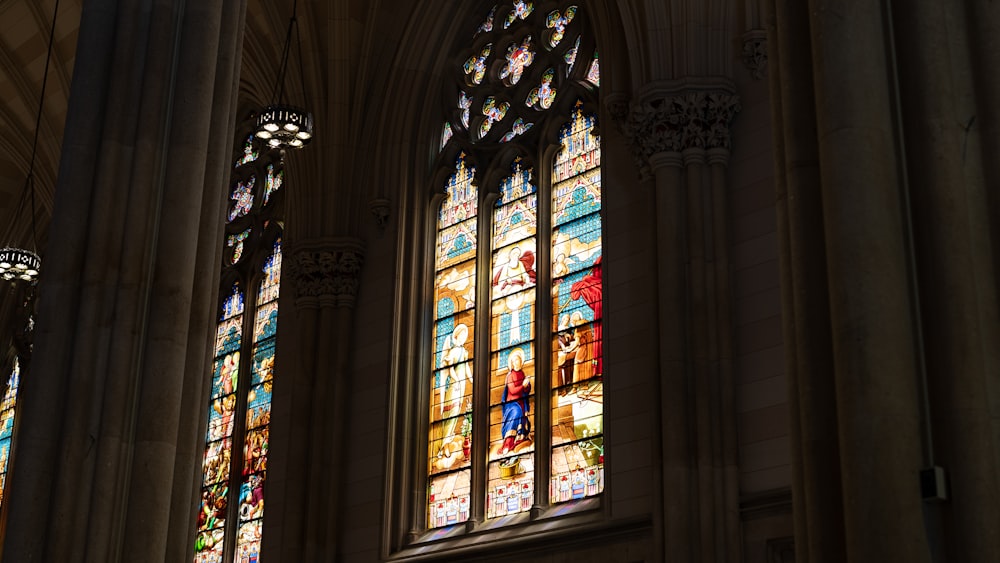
(107, 454)
(889, 276)
(323, 275)
(680, 131)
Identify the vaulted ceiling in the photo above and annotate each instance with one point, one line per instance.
(25, 27)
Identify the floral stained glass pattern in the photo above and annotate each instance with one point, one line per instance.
(215, 497)
(521, 10)
(510, 460)
(487, 25)
(7, 410)
(450, 434)
(250, 154)
(242, 198)
(577, 399)
(464, 104)
(274, 180)
(570, 56)
(557, 23)
(446, 134)
(518, 128)
(543, 96)
(258, 414)
(519, 57)
(494, 112)
(475, 67)
(235, 242)
(594, 72)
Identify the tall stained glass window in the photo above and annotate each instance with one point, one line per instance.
(516, 417)
(234, 470)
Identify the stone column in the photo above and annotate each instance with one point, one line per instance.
(678, 130)
(948, 191)
(805, 301)
(104, 446)
(324, 274)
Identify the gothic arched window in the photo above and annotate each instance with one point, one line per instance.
(231, 507)
(515, 418)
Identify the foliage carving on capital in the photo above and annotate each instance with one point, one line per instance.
(675, 122)
(326, 273)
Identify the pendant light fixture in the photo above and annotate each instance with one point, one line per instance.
(281, 125)
(22, 264)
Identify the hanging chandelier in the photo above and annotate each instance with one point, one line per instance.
(281, 125)
(20, 264)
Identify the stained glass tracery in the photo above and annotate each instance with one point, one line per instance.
(557, 23)
(519, 57)
(242, 198)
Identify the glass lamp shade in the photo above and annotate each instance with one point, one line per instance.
(19, 264)
(284, 127)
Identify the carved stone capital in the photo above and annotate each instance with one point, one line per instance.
(755, 52)
(676, 117)
(326, 272)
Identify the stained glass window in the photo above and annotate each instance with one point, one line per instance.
(557, 23)
(450, 436)
(242, 198)
(577, 297)
(274, 180)
(519, 57)
(234, 467)
(249, 154)
(7, 410)
(545, 93)
(538, 416)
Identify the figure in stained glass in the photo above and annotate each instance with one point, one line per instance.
(517, 387)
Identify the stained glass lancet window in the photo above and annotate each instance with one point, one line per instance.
(450, 436)
(577, 298)
(510, 488)
(7, 409)
(535, 438)
(234, 472)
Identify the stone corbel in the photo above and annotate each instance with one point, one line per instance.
(380, 210)
(326, 272)
(755, 52)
